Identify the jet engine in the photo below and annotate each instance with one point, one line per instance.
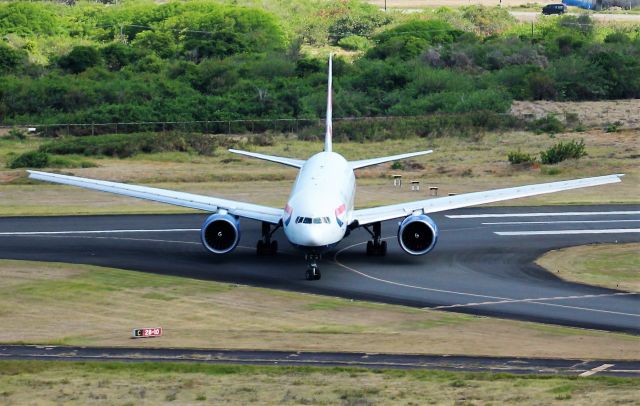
(220, 233)
(417, 234)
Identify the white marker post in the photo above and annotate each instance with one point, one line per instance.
(146, 332)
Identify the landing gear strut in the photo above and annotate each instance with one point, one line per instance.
(313, 272)
(376, 247)
(266, 246)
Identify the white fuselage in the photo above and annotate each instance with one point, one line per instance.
(320, 206)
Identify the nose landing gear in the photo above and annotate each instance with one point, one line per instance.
(313, 272)
(376, 247)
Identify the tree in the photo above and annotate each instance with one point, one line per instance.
(80, 59)
(10, 58)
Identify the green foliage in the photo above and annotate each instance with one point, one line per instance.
(16, 134)
(31, 159)
(80, 59)
(27, 18)
(518, 157)
(547, 124)
(10, 58)
(354, 43)
(126, 145)
(562, 151)
(357, 18)
(143, 61)
(410, 39)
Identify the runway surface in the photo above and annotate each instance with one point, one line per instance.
(483, 263)
(326, 359)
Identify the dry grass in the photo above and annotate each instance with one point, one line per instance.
(614, 266)
(457, 165)
(84, 305)
(111, 383)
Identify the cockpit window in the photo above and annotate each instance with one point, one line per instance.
(313, 220)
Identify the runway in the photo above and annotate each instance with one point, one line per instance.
(545, 366)
(483, 263)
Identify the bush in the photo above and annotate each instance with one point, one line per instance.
(518, 157)
(562, 151)
(80, 59)
(126, 145)
(16, 134)
(354, 43)
(548, 124)
(31, 159)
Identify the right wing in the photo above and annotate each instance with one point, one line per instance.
(193, 201)
(375, 161)
(296, 163)
(382, 213)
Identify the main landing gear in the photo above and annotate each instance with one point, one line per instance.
(376, 247)
(313, 272)
(265, 246)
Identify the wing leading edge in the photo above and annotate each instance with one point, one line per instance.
(372, 215)
(190, 200)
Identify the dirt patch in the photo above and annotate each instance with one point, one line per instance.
(623, 113)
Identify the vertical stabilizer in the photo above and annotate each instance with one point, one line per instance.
(329, 134)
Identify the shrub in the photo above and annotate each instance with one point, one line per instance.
(354, 43)
(16, 134)
(518, 157)
(31, 159)
(80, 59)
(126, 145)
(548, 124)
(562, 151)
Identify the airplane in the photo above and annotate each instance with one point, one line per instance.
(320, 210)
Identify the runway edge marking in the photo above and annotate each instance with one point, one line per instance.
(541, 214)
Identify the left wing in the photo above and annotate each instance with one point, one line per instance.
(193, 201)
(382, 213)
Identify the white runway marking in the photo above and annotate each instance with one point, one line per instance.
(558, 222)
(348, 268)
(565, 232)
(98, 231)
(569, 213)
(596, 370)
(535, 300)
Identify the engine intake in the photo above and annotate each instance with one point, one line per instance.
(417, 234)
(220, 233)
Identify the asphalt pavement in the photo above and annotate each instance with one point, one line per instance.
(483, 263)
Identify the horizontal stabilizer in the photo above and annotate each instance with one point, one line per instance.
(296, 163)
(375, 161)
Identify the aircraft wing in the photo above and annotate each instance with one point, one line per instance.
(296, 163)
(372, 215)
(193, 201)
(375, 161)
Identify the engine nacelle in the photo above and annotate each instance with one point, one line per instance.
(417, 234)
(220, 233)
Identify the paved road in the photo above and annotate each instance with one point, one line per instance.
(476, 268)
(327, 359)
(604, 17)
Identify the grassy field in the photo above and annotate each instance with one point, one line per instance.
(70, 383)
(457, 165)
(61, 304)
(614, 266)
